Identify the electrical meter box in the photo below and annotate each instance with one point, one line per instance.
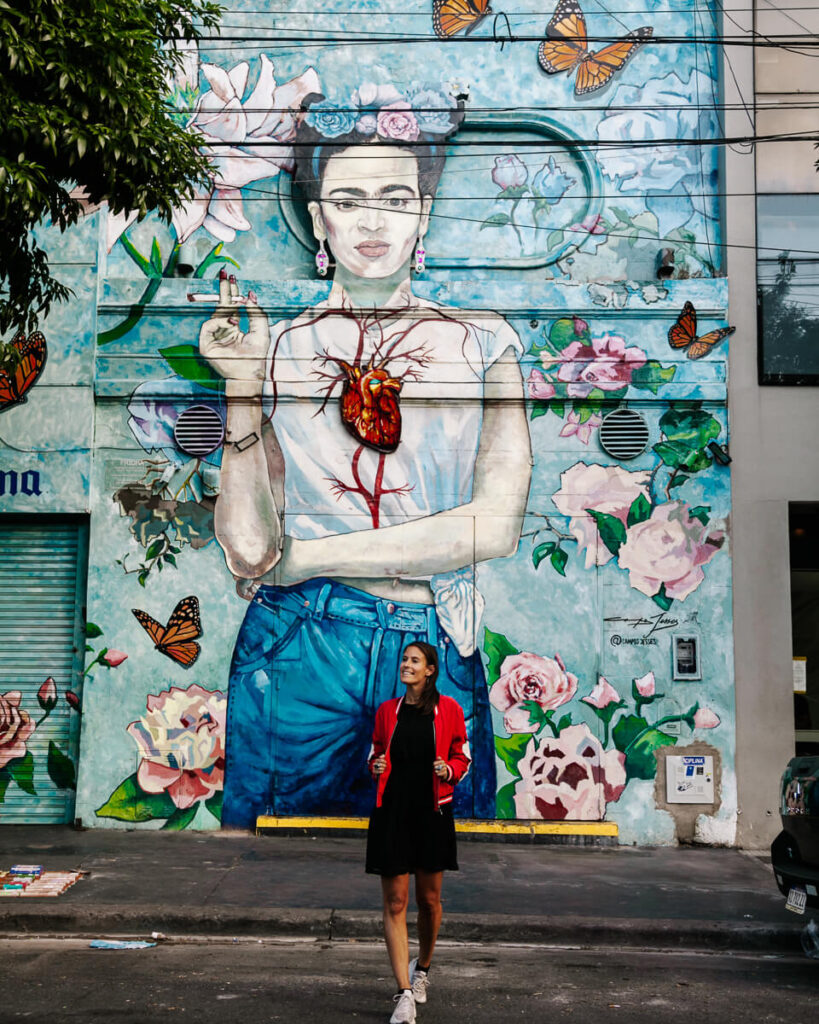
(689, 780)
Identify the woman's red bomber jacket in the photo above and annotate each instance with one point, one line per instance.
(451, 745)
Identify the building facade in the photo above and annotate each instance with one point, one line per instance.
(466, 382)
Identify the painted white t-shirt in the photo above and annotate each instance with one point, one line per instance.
(333, 483)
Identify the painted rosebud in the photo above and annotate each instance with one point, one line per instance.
(645, 685)
(47, 695)
(705, 718)
(509, 172)
(602, 695)
(112, 658)
(72, 699)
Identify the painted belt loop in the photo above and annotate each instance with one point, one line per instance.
(321, 600)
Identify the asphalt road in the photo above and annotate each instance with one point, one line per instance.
(59, 981)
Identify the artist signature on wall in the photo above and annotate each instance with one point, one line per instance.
(645, 626)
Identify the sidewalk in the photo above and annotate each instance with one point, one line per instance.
(233, 884)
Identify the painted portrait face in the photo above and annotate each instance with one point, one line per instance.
(371, 211)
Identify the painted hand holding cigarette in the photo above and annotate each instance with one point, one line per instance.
(233, 354)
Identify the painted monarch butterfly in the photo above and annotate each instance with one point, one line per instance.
(177, 639)
(683, 334)
(452, 16)
(21, 363)
(566, 48)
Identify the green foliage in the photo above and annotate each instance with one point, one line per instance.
(5, 779)
(181, 818)
(662, 599)
(82, 89)
(639, 511)
(186, 361)
(92, 630)
(129, 802)
(497, 648)
(651, 376)
(61, 769)
(214, 805)
(640, 760)
(700, 512)
(510, 749)
(611, 529)
(21, 769)
(690, 424)
(497, 220)
(505, 801)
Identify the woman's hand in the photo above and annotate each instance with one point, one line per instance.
(234, 355)
(379, 765)
(441, 768)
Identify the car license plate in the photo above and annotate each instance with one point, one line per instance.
(797, 900)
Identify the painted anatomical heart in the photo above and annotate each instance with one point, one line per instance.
(370, 407)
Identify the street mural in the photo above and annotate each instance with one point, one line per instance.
(22, 360)
(405, 313)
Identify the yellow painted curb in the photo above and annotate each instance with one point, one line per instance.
(489, 828)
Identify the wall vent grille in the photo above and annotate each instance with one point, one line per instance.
(199, 430)
(624, 434)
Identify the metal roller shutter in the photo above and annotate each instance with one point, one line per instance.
(42, 592)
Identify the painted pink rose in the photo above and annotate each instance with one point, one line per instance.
(645, 685)
(602, 695)
(705, 718)
(47, 695)
(397, 121)
(669, 548)
(538, 386)
(16, 727)
(608, 489)
(181, 741)
(525, 677)
(113, 657)
(570, 777)
(509, 172)
(606, 363)
(592, 225)
(582, 430)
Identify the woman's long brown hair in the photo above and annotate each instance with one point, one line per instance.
(429, 695)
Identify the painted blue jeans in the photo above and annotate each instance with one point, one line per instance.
(311, 665)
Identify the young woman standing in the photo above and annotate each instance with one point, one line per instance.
(419, 753)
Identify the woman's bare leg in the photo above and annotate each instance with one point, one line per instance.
(395, 890)
(428, 898)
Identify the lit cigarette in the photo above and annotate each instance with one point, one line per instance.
(203, 297)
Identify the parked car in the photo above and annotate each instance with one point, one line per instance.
(795, 851)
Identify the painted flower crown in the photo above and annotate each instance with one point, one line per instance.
(381, 111)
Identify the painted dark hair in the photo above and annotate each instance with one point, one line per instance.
(312, 152)
(430, 694)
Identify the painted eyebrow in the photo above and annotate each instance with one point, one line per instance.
(359, 193)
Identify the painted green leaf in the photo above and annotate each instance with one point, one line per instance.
(187, 361)
(554, 240)
(558, 407)
(562, 333)
(155, 548)
(611, 529)
(21, 770)
(181, 818)
(542, 551)
(61, 768)
(539, 408)
(92, 630)
(639, 511)
(156, 257)
(621, 215)
(505, 801)
(679, 454)
(651, 376)
(640, 760)
(214, 805)
(497, 648)
(497, 220)
(662, 599)
(537, 716)
(170, 559)
(559, 559)
(692, 425)
(627, 729)
(513, 192)
(700, 512)
(142, 577)
(510, 749)
(678, 481)
(4, 783)
(129, 802)
(564, 723)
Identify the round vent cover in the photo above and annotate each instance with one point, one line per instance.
(199, 430)
(624, 434)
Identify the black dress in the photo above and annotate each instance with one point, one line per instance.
(406, 833)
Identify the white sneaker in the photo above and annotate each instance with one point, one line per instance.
(404, 1012)
(419, 981)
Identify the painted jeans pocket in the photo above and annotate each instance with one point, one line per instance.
(268, 636)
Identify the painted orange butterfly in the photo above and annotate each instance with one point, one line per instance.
(683, 334)
(177, 639)
(21, 363)
(566, 48)
(452, 16)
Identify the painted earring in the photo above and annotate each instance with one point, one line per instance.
(322, 260)
(420, 257)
